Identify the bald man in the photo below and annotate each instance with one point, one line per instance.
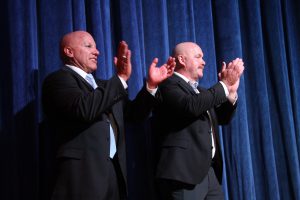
(87, 115)
(190, 163)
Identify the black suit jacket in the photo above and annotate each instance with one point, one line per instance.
(77, 114)
(183, 129)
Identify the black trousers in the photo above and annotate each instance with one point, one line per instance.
(116, 185)
(208, 189)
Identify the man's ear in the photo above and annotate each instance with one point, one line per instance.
(68, 52)
(181, 60)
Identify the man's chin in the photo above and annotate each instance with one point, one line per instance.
(94, 68)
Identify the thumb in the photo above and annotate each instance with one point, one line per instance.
(223, 66)
(154, 63)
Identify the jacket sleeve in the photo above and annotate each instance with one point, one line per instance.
(140, 108)
(225, 112)
(180, 101)
(64, 94)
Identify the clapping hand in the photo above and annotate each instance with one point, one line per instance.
(230, 74)
(123, 61)
(158, 74)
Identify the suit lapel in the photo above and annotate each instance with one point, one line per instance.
(65, 68)
(183, 84)
(116, 109)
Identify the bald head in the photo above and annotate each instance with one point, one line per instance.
(70, 40)
(183, 48)
(189, 60)
(79, 49)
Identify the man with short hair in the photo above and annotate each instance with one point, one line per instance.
(190, 162)
(87, 116)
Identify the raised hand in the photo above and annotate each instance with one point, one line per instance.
(123, 61)
(231, 73)
(230, 76)
(158, 74)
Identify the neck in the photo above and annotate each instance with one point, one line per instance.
(186, 75)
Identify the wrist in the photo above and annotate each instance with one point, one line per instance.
(232, 97)
(123, 76)
(151, 85)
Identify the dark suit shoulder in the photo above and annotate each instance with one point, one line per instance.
(62, 73)
(173, 81)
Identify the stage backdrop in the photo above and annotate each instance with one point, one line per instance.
(261, 146)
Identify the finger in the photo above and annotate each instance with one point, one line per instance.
(235, 61)
(170, 70)
(173, 62)
(239, 62)
(172, 66)
(240, 68)
(154, 63)
(128, 56)
(122, 49)
(233, 64)
(223, 66)
(169, 61)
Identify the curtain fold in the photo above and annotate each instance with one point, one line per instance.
(261, 146)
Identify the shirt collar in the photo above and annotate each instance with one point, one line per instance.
(78, 71)
(182, 76)
(185, 78)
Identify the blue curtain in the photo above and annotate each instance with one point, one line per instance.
(261, 146)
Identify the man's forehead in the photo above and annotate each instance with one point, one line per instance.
(86, 39)
(196, 50)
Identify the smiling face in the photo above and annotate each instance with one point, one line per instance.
(79, 49)
(190, 59)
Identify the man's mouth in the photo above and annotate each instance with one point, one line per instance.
(94, 60)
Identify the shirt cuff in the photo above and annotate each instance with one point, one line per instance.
(233, 101)
(225, 88)
(151, 91)
(123, 83)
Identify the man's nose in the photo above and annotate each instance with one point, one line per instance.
(96, 52)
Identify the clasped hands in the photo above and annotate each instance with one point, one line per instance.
(156, 74)
(230, 75)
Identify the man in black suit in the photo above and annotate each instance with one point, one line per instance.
(87, 116)
(190, 161)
